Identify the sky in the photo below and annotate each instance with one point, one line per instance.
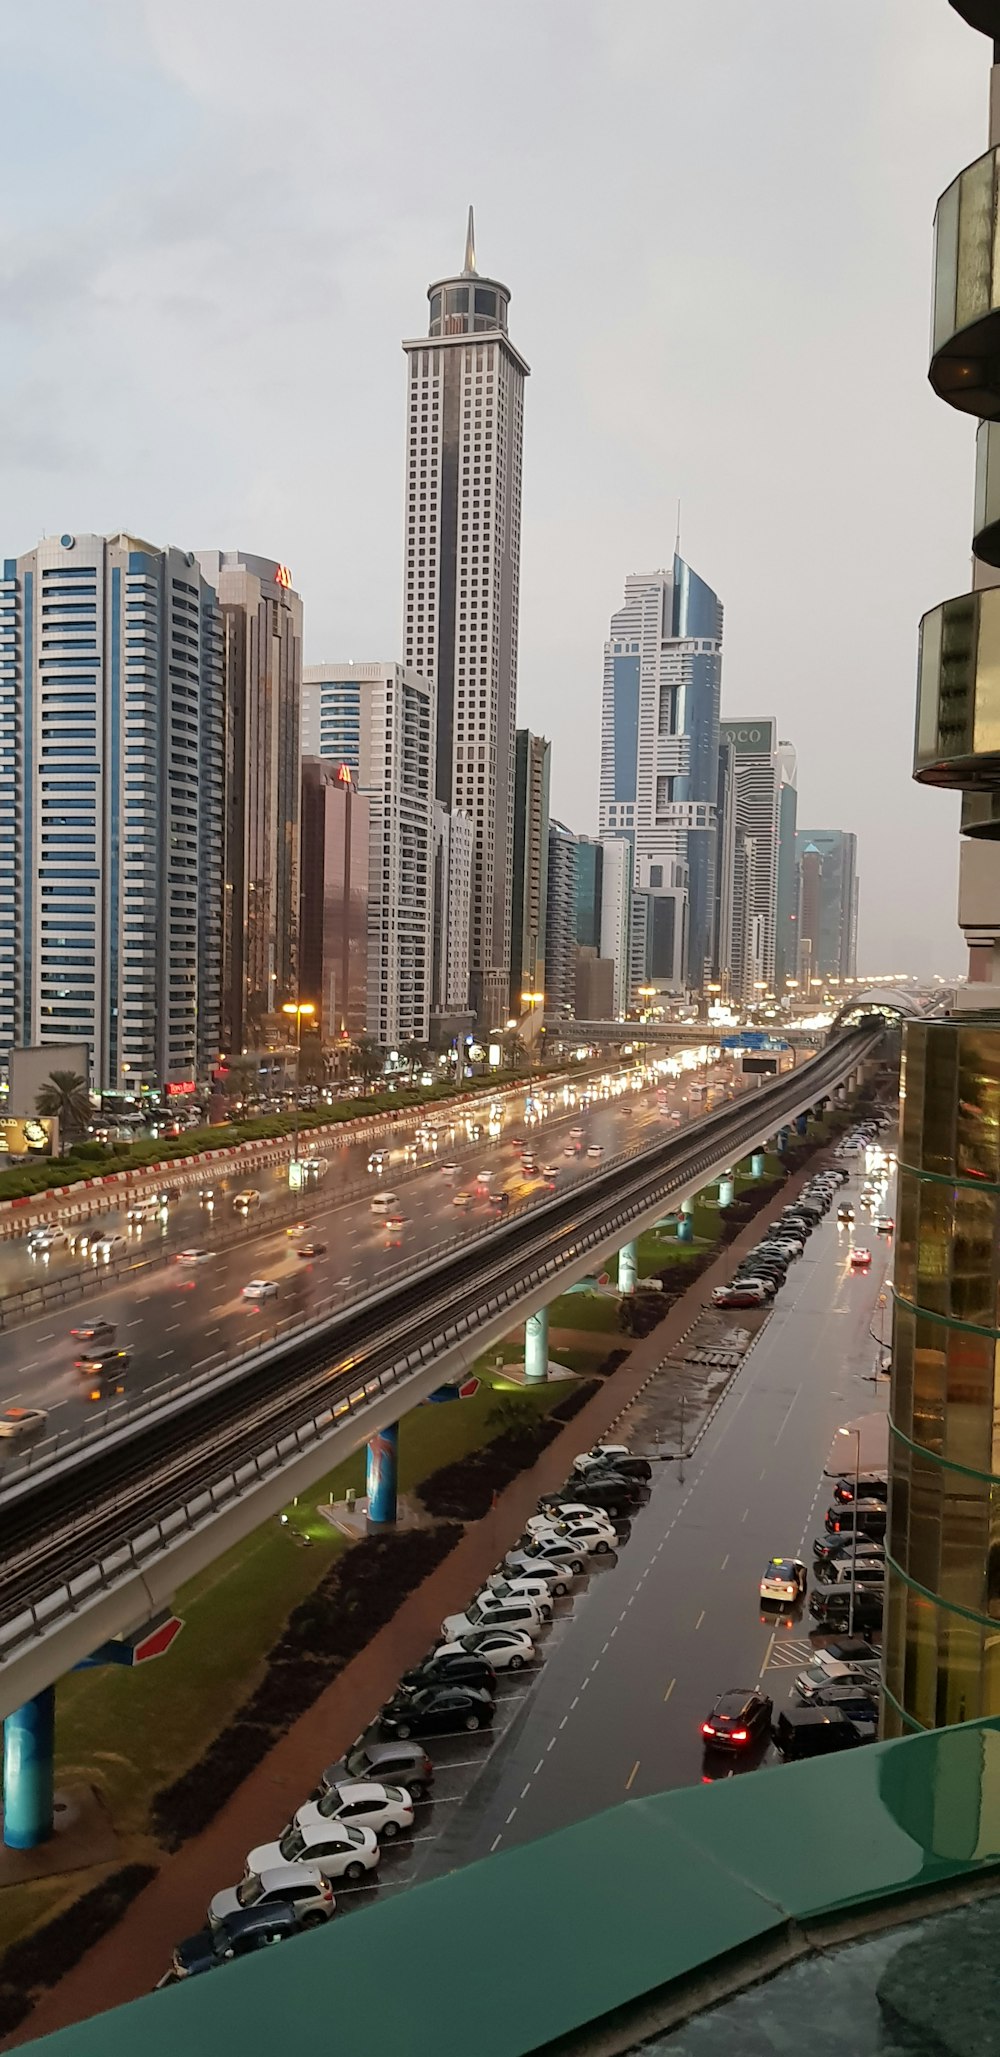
(715, 220)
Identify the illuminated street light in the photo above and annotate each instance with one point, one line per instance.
(298, 1008)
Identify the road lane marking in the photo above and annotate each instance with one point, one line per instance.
(170, 1327)
(538, 1767)
(493, 1846)
(163, 1354)
(134, 1324)
(745, 1513)
(550, 1745)
(50, 1338)
(564, 1720)
(525, 1789)
(700, 1619)
(632, 1774)
(725, 1561)
(510, 1816)
(767, 1654)
(669, 1690)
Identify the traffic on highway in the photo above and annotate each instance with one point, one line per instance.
(670, 1616)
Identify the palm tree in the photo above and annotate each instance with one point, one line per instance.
(66, 1097)
(367, 1059)
(416, 1055)
(242, 1077)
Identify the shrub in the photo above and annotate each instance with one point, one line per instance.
(41, 1959)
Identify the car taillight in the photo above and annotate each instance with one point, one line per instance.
(738, 1735)
(707, 1729)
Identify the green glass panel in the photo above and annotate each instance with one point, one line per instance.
(934, 1242)
(972, 1256)
(939, 1100)
(928, 686)
(911, 1092)
(945, 265)
(974, 294)
(986, 735)
(977, 1128)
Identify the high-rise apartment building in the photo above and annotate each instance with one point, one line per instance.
(452, 912)
(262, 669)
(532, 761)
(828, 901)
(379, 720)
(560, 922)
(754, 793)
(786, 892)
(659, 740)
(333, 910)
(604, 914)
(465, 405)
(111, 794)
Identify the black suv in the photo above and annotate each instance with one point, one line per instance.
(608, 1490)
(872, 1486)
(450, 1668)
(830, 1606)
(867, 1516)
(738, 1720)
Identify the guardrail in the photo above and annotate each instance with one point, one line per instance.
(93, 1515)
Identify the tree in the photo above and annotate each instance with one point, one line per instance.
(514, 1049)
(66, 1095)
(242, 1079)
(367, 1059)
(417, 1057)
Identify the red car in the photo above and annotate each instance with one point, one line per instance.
(860, 1258)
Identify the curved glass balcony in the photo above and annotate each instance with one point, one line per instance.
(986, 518)
(957, 741)
(965, 330)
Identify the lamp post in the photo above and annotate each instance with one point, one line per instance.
(856, 1433)
(531, 1001)
(298, 1008)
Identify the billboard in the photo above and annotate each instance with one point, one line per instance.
(29, 1135)
(32, 1067)
(760, 1064)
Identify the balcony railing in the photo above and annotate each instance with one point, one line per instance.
(957, 741)
(965, 330)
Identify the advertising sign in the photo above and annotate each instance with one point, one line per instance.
(29, 1135)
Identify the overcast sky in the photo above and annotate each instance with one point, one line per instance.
(221, 217)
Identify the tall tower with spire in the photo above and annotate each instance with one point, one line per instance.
(465, 407)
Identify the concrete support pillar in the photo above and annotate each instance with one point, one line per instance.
(781, 1141)
(685, 1226)
(757, 1164)
(628, 1267)
(382, 1471)
(802, 1124)
(536, 1347)
(28, 1771)
(727, 1189)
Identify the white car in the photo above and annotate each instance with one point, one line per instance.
(452, 1169)
(596, 1537)
(309, 1892)
(818, 1676)
(379, 1160)
(47, 1238)
(521, 1588)
(108, 1246)
(551, 1548)
(387, 1810)
(507, 1649)
(260, 1289)
(595, 1149)
(569, 1512)
(193, 1256)
(493, 1610)
(519, 1569)
(21, 1421)
(602, 1453)
(385, 1203)
(336, 1849)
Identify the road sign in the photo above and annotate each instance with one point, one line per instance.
(465, 1391)
(153, 1639)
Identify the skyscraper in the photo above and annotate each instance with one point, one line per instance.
(262, 672)
(465, 403)
(111, 790)
(560, 922)
(333, 915)
(659, 739)
(942, 1649)
(532, 760)
(379, 720)
(453, 852)
(786, 896)
(828, 904)
(755, 813)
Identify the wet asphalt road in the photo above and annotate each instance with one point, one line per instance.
(176, 1317)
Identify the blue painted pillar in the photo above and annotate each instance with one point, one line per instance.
(727, 1189)
(757, 1164)
(381, 1478)
(628, 1267)
(685, 1226)
(782, 1140)
(802, 1124)
(536, 1347)
(28, 1771)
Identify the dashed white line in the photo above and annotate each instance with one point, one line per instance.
(564, 1720)
(525, 1789)
(700, 1619)
(574, 1702)
(497, 1840)
(550, 1745)
(510, 1817)
(538, 1767)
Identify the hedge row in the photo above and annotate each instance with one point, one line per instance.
(41, 1959)
(464, 1491)
(359, 1594)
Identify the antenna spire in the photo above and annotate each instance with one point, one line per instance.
(677, 544)
(469, 267)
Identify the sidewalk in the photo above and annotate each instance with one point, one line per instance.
(127, 1962)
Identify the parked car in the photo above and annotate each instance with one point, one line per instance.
(523, 1586)
(239, 1935)
(857, 1698)
(553, 1549)
(829, 1550)
(738, 1719)
(869, 1485)
(867, 1516)
(816, 1732)
(836, 1606)
(568, 1514)
(506, 1649)
(811, 1683)
(491, 1610)
(612, 1457)
(287, 1885)
(518, 1566)
(738, 1296)
(386, 1810)
(462, 1668)
(399, 1763)
(863, 1571)
(436, 1710)
(608, 1489)
(335, 1848)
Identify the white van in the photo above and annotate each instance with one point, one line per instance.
(384, 1203)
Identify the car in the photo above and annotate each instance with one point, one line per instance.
(857, 1698)
(244, 1201)
(437, 1710)
(860, 1258)
(738, 1719)
(289, 1885)
(206, 1197)
(484, 1178)
(96, 1331)
(862, 1571)
(575, 1134)
(817, 1677)
(596, 1537)
(870, 1485)
(522, 1570)
(841, 1605)
(336, 1848)
(550, 1170)
(405, 1764)
(461, 1199)
(492, 1610)
(595, 1149)
(193, 1256)
(239, 1935)
(554, 1512)
(95, 1363)
(769, 1286)
(260, 1289)
(299, 1228)
(507, 1649)
(832, 1549)
(461, 1667)
(384, 1203)
(616, 1455)
(378, 1160)
(848, 1650)
(783, 1580)
(42, 1239)
(105, 1247)
(550, 1548)
(451, 1168)
(885, 1225)
(868, 1517)
(523, 1586)
(801, 1732)
(21, 1421)
(845, 1214)
(608, 1489)
(310, 1250)
(386, 1810)
(745, 1295)
(572, 1150)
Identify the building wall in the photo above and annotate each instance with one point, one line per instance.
(333, 916)
(262, 656)
(560, 922)
(111, 774)
(835, 942)
(755, 804)
(786, 899)
(532, 761)
(453, 855)
(614, 939)
(465, 406)
(595, 986)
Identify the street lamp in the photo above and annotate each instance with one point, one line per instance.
(298, 1008)
(856, 1433)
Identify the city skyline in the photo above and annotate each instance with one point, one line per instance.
(142, 290)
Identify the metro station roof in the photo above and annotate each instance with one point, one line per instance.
(633, 1908)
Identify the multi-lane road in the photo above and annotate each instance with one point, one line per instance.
(631, 1665)
(176, 1315)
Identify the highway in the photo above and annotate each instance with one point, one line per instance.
(633, 1662)
(177, 1315)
